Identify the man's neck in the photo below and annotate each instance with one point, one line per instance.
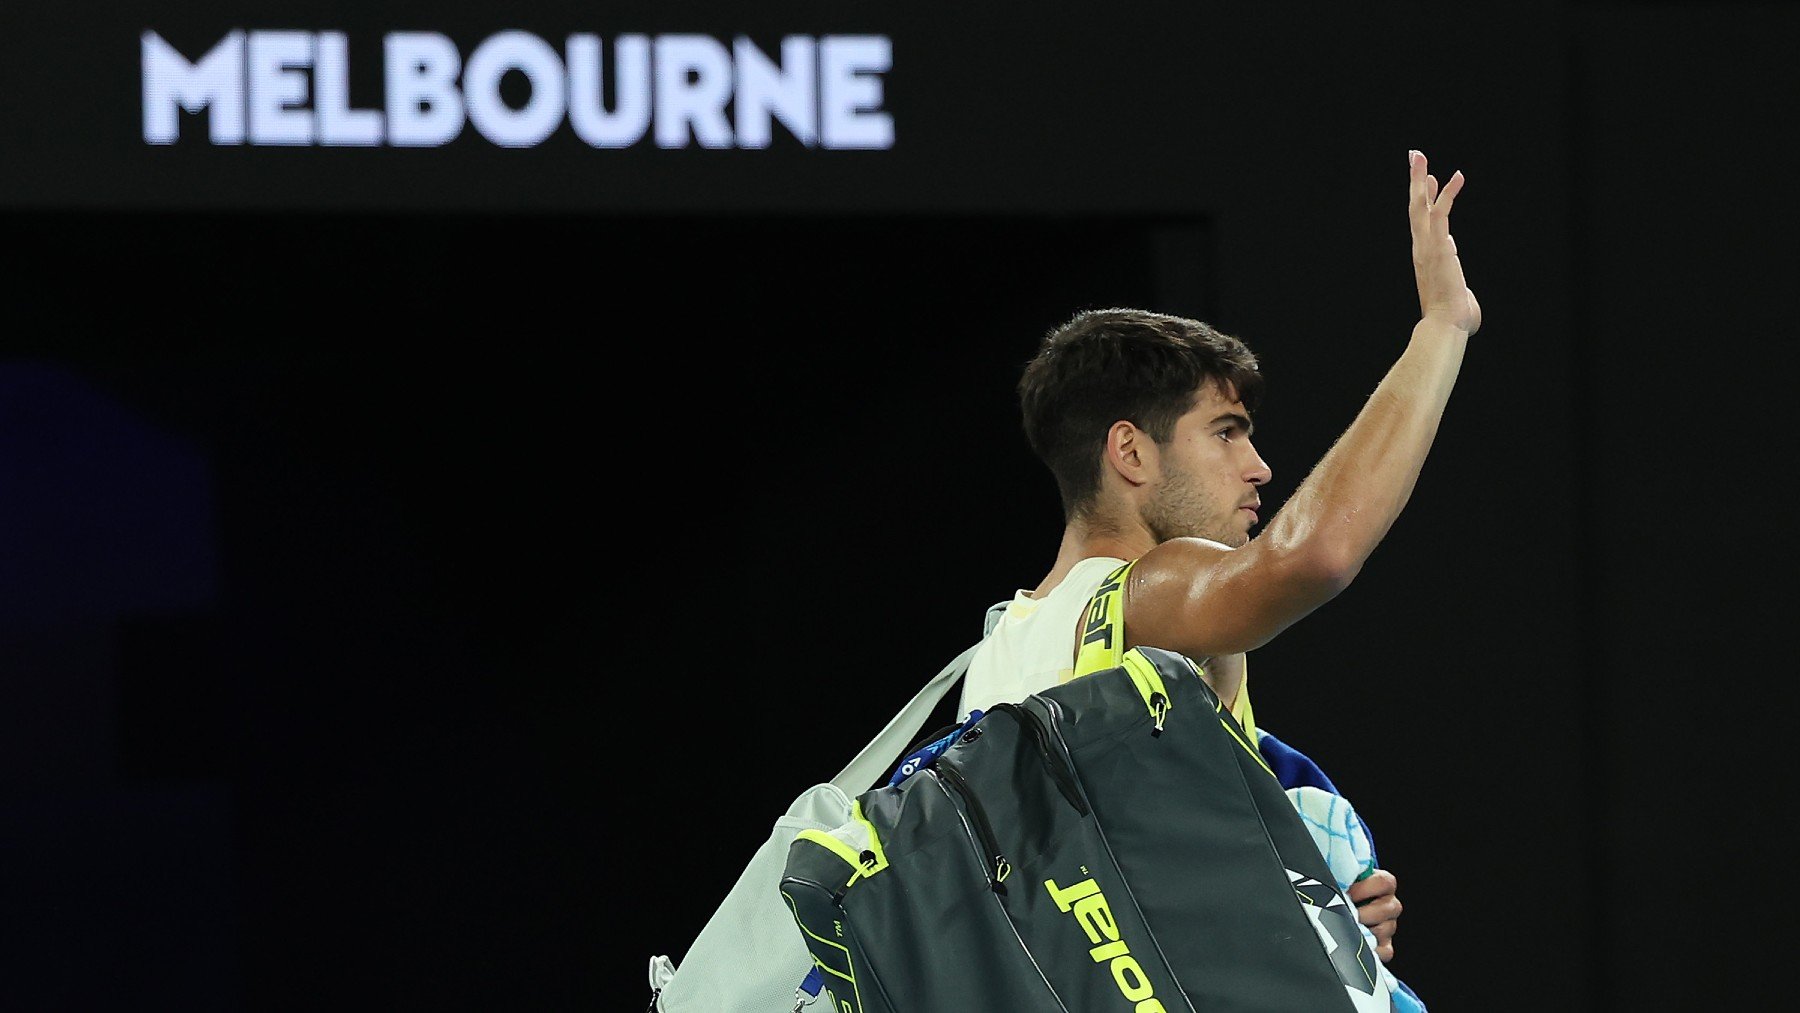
(1080, 542)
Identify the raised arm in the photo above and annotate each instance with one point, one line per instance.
(1205, 599)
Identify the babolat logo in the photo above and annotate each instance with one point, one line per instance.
(1085, 901)
(281, 87)
(1095, 628)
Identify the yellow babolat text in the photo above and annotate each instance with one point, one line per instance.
(1085, 901)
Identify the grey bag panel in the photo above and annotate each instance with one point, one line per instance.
(931, 931)
(1171, 893)
(1064, 897)
(1330, 914)
(1221, 900)
(1021, 798)
(813, 876)
(882, 939)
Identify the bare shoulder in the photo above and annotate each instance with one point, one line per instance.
(1165, 580)
(1206, 598)
(1178, 562)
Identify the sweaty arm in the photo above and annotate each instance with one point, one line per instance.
(1203, 598)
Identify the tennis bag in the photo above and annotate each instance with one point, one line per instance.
(747, 958)
(1114, 843)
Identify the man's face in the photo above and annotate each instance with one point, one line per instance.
(1210, 474)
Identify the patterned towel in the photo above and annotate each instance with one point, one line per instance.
(1341, 835)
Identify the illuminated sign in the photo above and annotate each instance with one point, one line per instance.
(281, 87)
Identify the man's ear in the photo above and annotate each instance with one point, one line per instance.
(1130, 453)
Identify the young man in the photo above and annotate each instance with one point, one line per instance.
(1145, 420)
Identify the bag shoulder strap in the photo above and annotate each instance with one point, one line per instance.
(872, 762)
(1103, 642)
(1103, 631)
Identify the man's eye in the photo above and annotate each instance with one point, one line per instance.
(1226, 434)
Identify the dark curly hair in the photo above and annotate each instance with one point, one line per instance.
(1104, 365)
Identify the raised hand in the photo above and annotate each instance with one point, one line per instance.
(1443, 294)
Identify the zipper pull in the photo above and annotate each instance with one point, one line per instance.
(1159, 706)
(1002, 869)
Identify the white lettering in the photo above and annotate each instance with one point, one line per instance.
(338, 123)
(215, 84)
(851, 100)
(785, 91)
(693, 83)
(284, 87)
(276, 68)
(423, 106)
(625, 125)
(499, 122)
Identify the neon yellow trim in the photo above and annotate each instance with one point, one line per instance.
(1147, 680)
(831, 844)
(1237, 733)
(881, 861)
(1103, 647)
(849, 977)
(1240, 708)
(858, 868)
(1103, 625)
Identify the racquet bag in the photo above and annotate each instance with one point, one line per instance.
(1114, 843)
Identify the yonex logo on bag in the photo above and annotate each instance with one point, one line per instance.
(1085, 901)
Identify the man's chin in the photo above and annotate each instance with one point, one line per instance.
(1229, 539)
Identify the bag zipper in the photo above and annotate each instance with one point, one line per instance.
(1065, 781)
(997, 867)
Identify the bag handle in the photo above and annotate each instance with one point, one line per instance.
(875, 759)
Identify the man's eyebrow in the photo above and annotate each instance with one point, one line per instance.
(1239, 419)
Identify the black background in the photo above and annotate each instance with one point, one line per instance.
(426, 578)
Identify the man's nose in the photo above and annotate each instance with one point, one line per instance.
(1259, 473)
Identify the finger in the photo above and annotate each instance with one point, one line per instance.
(1384, 940)
(1376, 912)
(1445, 200)
(1415, 193)
(1378, 883)
(1384, 932)
(1431, 189)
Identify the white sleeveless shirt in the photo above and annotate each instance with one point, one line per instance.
(1033, 646)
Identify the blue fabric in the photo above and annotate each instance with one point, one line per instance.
(1295, 769)
(923, 756)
